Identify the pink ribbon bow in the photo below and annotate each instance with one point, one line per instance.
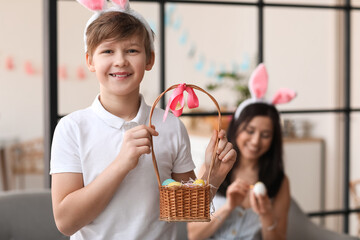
(178, 97)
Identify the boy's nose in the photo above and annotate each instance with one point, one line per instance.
(120, 60)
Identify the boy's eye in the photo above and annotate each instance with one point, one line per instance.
(107, 51)
(132, 51)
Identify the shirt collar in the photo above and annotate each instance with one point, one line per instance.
(117, 122)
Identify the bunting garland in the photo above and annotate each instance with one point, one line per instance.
(209, 67)
(29, 68)
(173, 20)
(10, 64)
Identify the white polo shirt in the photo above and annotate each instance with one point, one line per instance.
(88, 140)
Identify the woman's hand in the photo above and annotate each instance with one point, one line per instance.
(236, 193)
(260, 204)
(273, 213)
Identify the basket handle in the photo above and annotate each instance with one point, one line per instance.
(214, 155)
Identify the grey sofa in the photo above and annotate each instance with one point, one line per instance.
(27, 215)
(300, 227)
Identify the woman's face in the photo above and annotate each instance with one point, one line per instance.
(255, 139)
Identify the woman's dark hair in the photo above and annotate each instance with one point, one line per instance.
(271, 167)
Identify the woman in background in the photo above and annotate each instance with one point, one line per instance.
(255, 133)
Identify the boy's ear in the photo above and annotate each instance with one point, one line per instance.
(89, 63)
(151, 62)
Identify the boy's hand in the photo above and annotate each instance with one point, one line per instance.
(137, 141)
(225, 160)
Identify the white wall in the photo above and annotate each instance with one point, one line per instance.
(21, 95)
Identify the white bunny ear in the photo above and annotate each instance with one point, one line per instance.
(93, 5)
(258, 82)
(124, 4)
(283, 95)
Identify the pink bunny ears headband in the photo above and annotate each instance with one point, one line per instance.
(100, 6)
(258, 84)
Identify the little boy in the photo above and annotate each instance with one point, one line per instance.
(103, 181)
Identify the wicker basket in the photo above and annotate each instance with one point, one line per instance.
(184, 203)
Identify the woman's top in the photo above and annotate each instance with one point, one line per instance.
(241, 224)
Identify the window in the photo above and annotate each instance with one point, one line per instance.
(307, 45)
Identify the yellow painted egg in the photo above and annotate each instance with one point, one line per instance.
(174, 184)
(199, 182)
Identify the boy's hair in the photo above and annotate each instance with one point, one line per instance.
(116, 26)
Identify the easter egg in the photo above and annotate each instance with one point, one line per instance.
(167, 181)
(199, 182)
(259, 189)
(174, 184)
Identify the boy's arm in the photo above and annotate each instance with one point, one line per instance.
(223, 162)
(76, 205)
(183, 176)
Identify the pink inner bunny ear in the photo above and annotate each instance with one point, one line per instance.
(124, 4)
(283, 95)
(258, 82)
(93, 5)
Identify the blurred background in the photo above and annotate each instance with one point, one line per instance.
(307, 45)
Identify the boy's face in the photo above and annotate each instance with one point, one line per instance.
(120, 65)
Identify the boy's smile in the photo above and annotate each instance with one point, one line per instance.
(120, 75)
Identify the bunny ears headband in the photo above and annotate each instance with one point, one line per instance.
(100, 6)
(258, 84)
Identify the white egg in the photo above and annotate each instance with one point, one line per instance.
(259, 189)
